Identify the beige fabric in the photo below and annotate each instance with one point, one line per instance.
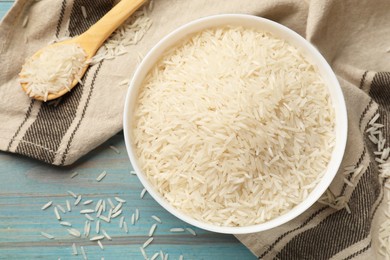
(353, 36)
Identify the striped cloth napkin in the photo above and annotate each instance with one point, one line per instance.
(349, 221)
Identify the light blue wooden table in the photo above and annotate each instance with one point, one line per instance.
(26, 185)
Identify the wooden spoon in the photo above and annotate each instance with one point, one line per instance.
(93, 38)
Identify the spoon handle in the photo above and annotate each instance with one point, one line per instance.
(100, 31)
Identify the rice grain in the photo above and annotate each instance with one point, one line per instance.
(65, 223)
(96, 238)
(74, 249)
(47, 235)
(72, 194)
(57, 214)
(68, 207)
(190, 230)
(47, 205)
(152, 229)
(156, 219)
(147, 242)
(83, 253)
(74, 232)
(100, 244)
(116, 150)
(101, 176)
(106, 235)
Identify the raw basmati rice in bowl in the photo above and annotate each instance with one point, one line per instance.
(235, 124)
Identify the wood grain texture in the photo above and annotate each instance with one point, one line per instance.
(27, 185)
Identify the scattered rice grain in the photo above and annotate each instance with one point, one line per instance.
(152, 229)
(111, 203)
(104, 218)
(47, 205)
(65, 223)
(74, 249)
(96, 238)
(373, 120)
(72, 194)
(143, 253)
(84, 12)
(87, 228)
(74, 232)
(347, 208)
(120, 200)
(87, 202)
(125, 227)
(83, 253)
(101, 176)
(177, 230)
(77, 200)
(147, 242)
(68, 207)
(98, 204)
(61, 208)
(99, 212)
(87, 211)
(118, 207)
(106, 235)
(142, 193)
(104, 205)
(121, 221)
(348, 182)
(190, 230)
(156, 219)
(109, 214)
(97, 228)
(74, 175)
(47, 235)
(100, 244)
(25, 21)
(116, 214)
(115, 149)
(89, 217)
(56, 213)
(154, 256)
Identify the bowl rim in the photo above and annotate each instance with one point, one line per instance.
(341, 126)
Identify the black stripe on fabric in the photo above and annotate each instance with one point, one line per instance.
(367, 143)
(82, 115)
(361, 251)
(41, 141)
(340, 229)
(365, 112)
(292, 230)
(95, 10)
(380, 89)
(384, 120)
(373, 214)
(63, 6)
(44, 136)
(351, 174)
(27, 115)
(363, 79)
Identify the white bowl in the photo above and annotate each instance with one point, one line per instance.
(278, 30)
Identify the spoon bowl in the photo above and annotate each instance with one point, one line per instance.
(91, 40)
